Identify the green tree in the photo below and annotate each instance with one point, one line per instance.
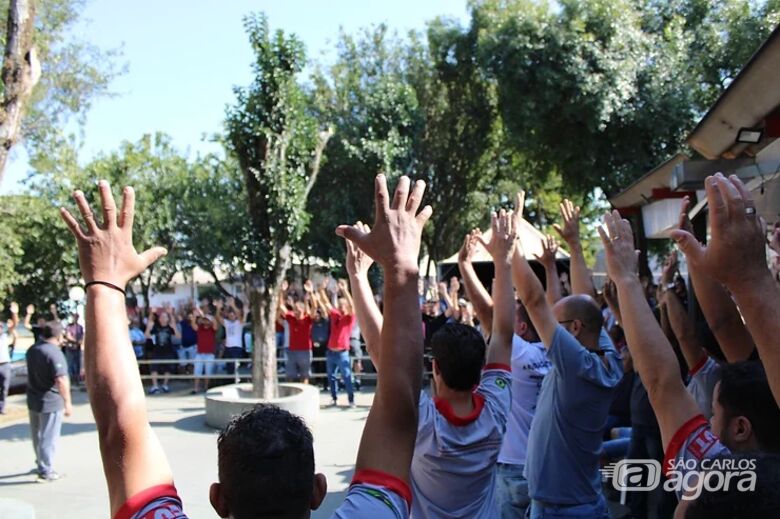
(39, 262)
(159, 175)
(212, 219)
(372, 108)
(49, 75)
(279, 149)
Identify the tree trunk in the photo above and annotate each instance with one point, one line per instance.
(265, 383)
(21, 72)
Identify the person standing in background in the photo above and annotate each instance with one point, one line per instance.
(48, 397)
(7, 330)
(73, 348)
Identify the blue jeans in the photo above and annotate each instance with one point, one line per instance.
(596, 510)
(340, 360)
(511, 491)
(73, 359)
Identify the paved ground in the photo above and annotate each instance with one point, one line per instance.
(178, 419)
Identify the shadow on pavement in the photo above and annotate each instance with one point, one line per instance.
(21, 431)
(195, 423)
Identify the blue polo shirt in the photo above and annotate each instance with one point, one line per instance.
(565, 439)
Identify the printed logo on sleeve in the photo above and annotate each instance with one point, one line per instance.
(502, 383)
(702, 443)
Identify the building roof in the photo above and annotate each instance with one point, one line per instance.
(750, 97)
(641, 190)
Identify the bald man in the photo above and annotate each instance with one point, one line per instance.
(565, 438)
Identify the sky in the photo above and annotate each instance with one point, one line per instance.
(184, 56)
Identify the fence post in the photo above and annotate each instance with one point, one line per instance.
(236, 376)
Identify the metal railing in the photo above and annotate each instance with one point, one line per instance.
(240, 369)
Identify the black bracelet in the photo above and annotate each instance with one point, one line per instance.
(104, 283)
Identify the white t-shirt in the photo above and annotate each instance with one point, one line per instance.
(703, 380)
(529, 367)
(233, 333)
(5, 355)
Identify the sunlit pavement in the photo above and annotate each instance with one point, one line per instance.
(191, 446)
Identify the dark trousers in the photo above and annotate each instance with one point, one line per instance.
(645, 445)
(5, 383)
(73, 357)
(230, 354)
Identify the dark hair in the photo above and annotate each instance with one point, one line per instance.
(522, 315)
(744, 391)
(732, 502)
(51, 330)
(266, 464)
(459, 351)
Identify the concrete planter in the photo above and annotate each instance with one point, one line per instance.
(225, 402)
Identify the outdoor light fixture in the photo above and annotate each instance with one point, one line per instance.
(750, 135)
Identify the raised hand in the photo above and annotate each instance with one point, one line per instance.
(14, 307)
(570, 232)
(442, 289)
(610, 294)
(342, 286)
(619, 248)
(549, 249)
(671, 266)
(469, 247)
(308, 286)
(394, 241)
(454, 284)
(358, 262)
(503, 236)
(30, 309)
(735, 253)
(218, 304)
(106, 252)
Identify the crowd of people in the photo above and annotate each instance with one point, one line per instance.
(536, 387)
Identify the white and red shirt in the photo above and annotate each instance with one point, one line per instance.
(691, 444)
(454, 464)
(372, 494)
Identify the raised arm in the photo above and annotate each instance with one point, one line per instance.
(501, 247)
(28, 313)
(718, 308)
(683, 329)
(149, 326)
(736, 257)
(475, 290)
(547, 259)
(14, 309)
(369, 317)
(530, 290)
(324, 299)
(394, 242)
(133, 459)
(651, 352)
(344, 292)
(581, 282)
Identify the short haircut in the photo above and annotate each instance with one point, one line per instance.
(744, 391)
(522, 315)
(266, 464)
(51, 329)
(459, 351)
(764, 501)
(585, 309)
